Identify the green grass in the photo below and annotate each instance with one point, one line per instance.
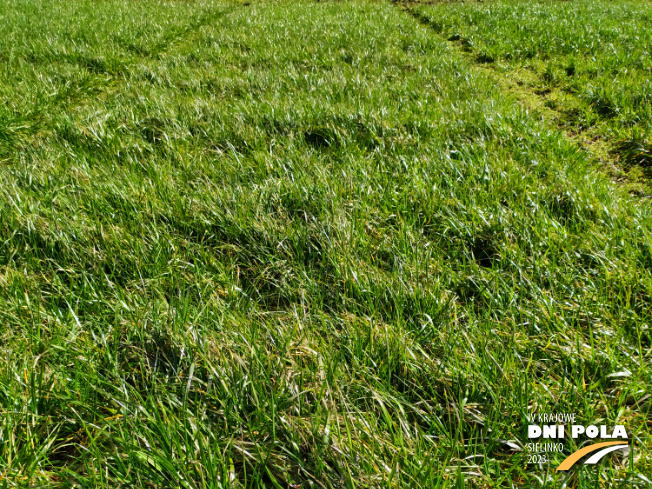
(589, 60)
(299, 244)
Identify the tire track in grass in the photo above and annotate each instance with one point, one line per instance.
(599, 150)
(16, 132)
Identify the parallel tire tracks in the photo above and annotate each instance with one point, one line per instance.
(32, 123)
(598, 149)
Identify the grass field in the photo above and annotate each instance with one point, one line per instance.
(588, 60)
(321, 244)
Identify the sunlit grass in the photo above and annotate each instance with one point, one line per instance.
(588, 60)
(298, 244)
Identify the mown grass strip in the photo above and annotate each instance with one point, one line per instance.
(547, 53)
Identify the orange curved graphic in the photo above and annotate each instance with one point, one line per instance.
(574, 457)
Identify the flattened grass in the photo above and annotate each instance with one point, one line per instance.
(589, 60)
(302, 244)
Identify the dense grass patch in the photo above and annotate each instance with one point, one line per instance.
(293, 245)
(590, 60)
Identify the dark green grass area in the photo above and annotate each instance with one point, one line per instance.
(298, 245)
(590, 60)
